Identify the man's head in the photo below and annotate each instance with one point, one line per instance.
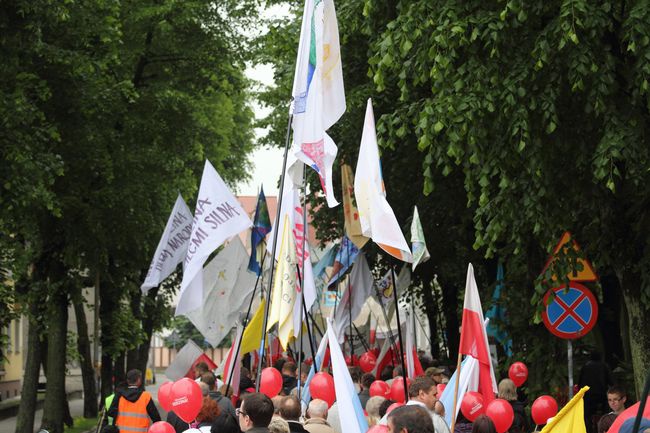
(304, 372)
(397, 371)
(205, 389)
(209, 379)
(256, 411)
(423, 389)
(410, 419)
(435, 373)
(289, 369)
(199, 369)
(317, 409)
(366, 380)
(355, 373)
(134, 377)
(290, 408)
(616, 398)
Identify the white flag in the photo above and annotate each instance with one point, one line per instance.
(375, 214)
(319, 96)
(172, 246)
(183, 361)
(419, 244)
(217, 217)
(350, 410)
(228, 288)
(360, 288)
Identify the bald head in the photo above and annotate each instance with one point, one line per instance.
(290, 409)
(317, 409)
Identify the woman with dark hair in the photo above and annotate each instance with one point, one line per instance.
(483, 424)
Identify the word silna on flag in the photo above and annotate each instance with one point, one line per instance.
(217, 217)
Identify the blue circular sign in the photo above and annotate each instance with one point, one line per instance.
(572, 312)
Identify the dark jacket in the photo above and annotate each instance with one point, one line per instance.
(179, 425)
(132, 394)
(227, 419)
(463, 427)
(288, 383)
(296, 427)
(520, 422)
(364, 396)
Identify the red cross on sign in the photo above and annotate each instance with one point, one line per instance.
(572, 313)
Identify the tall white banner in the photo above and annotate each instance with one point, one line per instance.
(172, 246)
(217, 216)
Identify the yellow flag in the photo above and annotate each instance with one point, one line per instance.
(352, 224)
(283, 296)
(253, 332)
(571, 419)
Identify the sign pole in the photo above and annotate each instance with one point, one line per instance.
(569, 346)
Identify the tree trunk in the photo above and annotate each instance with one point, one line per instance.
(83, 346)
(639, 328)
(106, 376)
(54, 408)
(450, 302)
(27, 408)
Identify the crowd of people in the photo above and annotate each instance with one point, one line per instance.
(132, 409)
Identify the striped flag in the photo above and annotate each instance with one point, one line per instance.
(347, 400)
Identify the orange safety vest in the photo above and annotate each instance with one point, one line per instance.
(132, 417)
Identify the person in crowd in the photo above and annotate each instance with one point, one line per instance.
(508, 392)
(255, 413)
(616, 398)
(278, 425)
(355, 374)
(245, 380)
(333, 418)
(383, 408)
(207, 415)
(423, 393)
(386, 373)
(290, 411)
(317, 417)
(289, 380)
(409, 419)
(483, 424)
(199, 370)
(364, 395)
(277, 402)
(227, 414)
(372, 407)
(133, 409)
(279, 363)
(397, 371)
(435, 373)
(596, 375)
(463, 425)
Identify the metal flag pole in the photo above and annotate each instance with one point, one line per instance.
(273, 247)
(399, 335)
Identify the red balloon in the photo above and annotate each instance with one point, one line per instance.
(379, 388)
(322, 386)
(186, 399)
(397, 389)
(161, 426)
(501, 413)
(543, 408)
(270, 382)
(375, 351)
(440, 388)
(367, 362)
(164, 396)
(394, 406)
(518, 373)
(351, 361)
(472, 405)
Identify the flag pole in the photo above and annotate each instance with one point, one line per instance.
(273, 247)
(455, 405)
(248, 312)
(391, 337)
(363, 342)
(399, 335)
(350, 310)
(301, 273)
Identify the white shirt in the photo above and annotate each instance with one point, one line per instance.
(439, 424)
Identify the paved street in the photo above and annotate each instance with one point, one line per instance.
(76, 408)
